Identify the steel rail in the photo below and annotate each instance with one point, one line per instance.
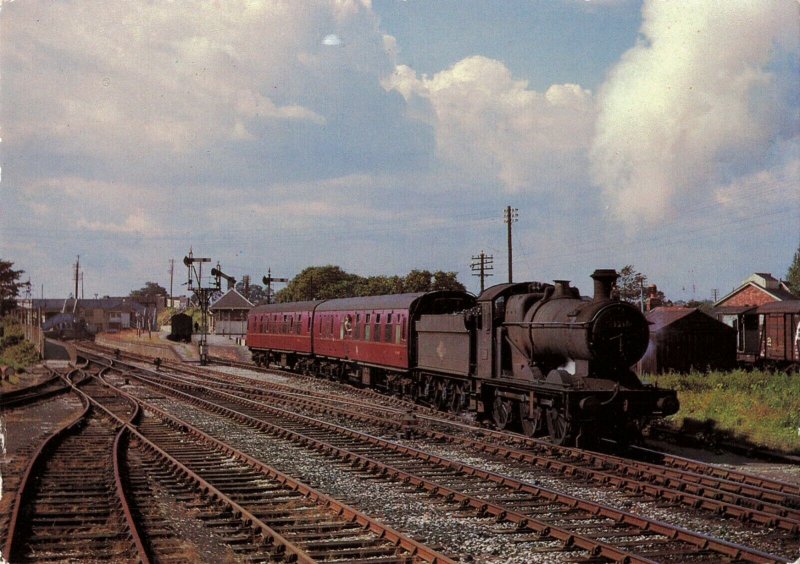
(742, 496)
(682, 463)
(247, 518)
(119, 445)
(413, 547)
(26, 482)
(699, 541)
(30, 394)
(692, 490)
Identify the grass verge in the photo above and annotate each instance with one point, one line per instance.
(758, 406)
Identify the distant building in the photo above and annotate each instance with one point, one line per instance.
(229, 314)
(685, 338)
(738, 309)
(99, 314)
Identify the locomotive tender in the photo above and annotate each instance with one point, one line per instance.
(532, 355)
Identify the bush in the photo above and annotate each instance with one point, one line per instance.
(14, 349)
(20, 355)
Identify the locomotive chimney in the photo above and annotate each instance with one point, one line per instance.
(561, 289)
(604, 279)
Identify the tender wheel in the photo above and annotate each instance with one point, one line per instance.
(530, 426)
(561, 431)
(459, 400)
(441, 396)
(501, 412)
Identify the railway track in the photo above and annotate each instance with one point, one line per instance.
(677, 480)
(538, 514)
(68, 503)
(51, 386)
(128, 484)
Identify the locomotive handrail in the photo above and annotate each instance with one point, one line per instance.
(547, 323)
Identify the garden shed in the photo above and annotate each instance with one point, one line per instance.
(685, 338)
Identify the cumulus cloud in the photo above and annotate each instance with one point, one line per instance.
(170, 77)
(693, 104)
(490, 125)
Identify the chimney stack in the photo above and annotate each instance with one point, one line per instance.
(604, 279)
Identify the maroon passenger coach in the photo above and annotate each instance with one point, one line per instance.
(280, 333)
(357, 338)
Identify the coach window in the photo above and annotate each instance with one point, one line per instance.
(387, 332)
(403, 331)
(367, 328)
(377, 334)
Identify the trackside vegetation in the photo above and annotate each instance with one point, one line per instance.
(760, 407)
(14, 349)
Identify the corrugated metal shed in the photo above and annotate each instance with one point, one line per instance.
(682, 339)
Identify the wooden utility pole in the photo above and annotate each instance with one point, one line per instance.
(510, 215)
(482, 263)
(171, 272)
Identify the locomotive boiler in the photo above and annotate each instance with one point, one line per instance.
(534, 356)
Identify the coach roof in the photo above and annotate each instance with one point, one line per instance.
(389, 301)
(286, 307)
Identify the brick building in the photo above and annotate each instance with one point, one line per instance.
(738, 309)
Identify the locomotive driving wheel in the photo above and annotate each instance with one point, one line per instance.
(501, 412)
(560, 429)
(531, 424)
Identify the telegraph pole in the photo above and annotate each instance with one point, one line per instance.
(77, 277)
(482, 263)
(171, 271)
(510, 215)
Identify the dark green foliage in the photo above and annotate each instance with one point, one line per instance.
(254, 292)
(327, 282)
(793, 274)
(149, 292)
(630, 284)
(14, 349)
(9, 286)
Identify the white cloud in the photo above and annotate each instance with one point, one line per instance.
(491, 125)
(135, 222)
(693, 102)
(111, 80)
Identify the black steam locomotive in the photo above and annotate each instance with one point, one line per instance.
(531, 355)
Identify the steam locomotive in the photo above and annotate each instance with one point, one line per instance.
(534, 356)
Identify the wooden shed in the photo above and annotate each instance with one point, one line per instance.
(229, 314)
(683, 338)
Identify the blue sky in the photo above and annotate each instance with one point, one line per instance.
(391, 135)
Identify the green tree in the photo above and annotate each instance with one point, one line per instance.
(149, 292)
(9, 286)
(418, 281)
(630, 284)
(319, 283)
(326, 282)
(255, 292)
(446, 281)
(793, 274)
(379, 285)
